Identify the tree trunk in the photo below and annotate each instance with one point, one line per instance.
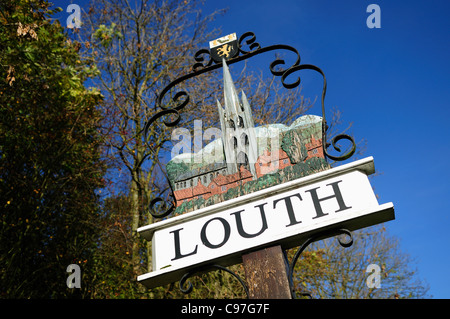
(134, 198)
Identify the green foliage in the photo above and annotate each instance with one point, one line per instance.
(49, 159)
(105, 35)
(289, 143)
(112, 264)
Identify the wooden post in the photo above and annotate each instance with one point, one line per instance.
(266, 274)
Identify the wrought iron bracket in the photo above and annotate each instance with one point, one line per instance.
(344, 243)
(306, 243)
(189, 274)
(247, 48)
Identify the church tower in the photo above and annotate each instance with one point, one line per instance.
(238, 134)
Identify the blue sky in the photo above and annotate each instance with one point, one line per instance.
(393, 84)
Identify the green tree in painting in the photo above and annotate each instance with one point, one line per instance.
(50, 164)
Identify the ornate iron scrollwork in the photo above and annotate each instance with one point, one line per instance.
(248, 47)
(344, 243)
(344, 238)
(189, 288)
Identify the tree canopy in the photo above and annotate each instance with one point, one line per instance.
(50, 166)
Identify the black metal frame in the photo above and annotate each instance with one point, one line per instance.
(305, 244)
(205, 269)
(247, 48)
(201, 66)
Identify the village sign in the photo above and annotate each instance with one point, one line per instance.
(267, 186)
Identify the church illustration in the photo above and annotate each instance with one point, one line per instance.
(253, 157)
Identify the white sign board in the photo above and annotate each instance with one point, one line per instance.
(286, 214)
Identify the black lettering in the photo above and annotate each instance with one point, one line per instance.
(226, 227)
(178, 254)
(289, 208)
(240, 228)
(317, 200)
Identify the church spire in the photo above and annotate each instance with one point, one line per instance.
(238, 136)
(230, 93)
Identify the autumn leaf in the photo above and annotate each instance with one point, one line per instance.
(10, 77)
(23, 30)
